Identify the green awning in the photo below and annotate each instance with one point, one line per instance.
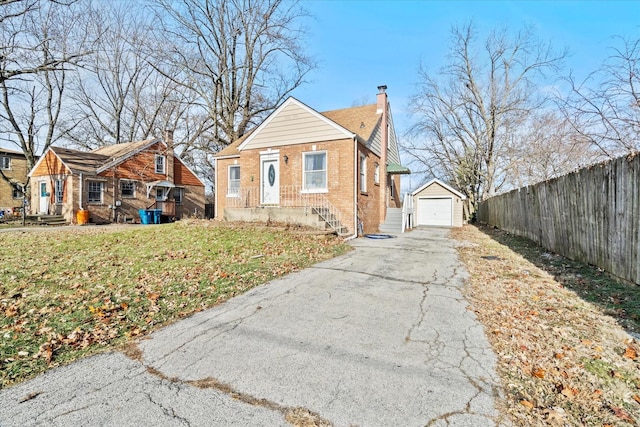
(394, 168)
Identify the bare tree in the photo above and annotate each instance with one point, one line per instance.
(547, 147)
(31, 101)
(118, 96)
(241, 57)
(605, 107)
(19, 53)
(465, 114)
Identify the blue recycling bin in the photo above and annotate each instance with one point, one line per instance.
(145, 216)
(157, 213)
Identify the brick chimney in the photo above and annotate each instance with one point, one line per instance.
(168, 139)
(384, 144)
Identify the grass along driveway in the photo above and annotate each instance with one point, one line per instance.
(65, 294)
(555, 325)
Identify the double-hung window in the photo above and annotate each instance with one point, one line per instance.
(234, 181)
(314, 171)
(376, 174)
(59, 190)
(363, 173)
(127, 188)
(5, 162)
(16, 191)
(160, 163)
(95, 191)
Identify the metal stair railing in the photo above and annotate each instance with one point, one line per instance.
(293, 196)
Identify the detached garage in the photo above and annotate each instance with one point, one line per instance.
(437, 204)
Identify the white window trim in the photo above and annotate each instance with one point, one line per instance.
(93, 202)
(164, 163)
(2, 160)
(376, 174)
(315, 190)
(363, 173)
(135, 186)
(229, 193)
(59, 182)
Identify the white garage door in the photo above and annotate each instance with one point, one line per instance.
(435, 212)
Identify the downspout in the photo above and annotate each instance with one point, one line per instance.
(355, 188)
(215, 188)
(81, 191)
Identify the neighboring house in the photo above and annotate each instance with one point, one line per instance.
(338, 168)
(437, 204)
(115, 181)
(13, 165)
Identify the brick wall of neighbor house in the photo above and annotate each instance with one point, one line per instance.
(193, 202)
(17, 171)
(368, 203)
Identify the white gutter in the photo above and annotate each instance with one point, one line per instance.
(355, 188)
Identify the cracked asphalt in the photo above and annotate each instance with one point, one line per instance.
(378, 337)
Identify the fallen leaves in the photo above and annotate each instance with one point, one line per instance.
(561, 360)
(64, 294)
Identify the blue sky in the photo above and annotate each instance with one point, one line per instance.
(362, 44)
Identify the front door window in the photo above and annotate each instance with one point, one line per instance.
(44, 198)
(270, 182)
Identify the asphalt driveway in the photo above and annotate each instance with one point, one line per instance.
(378, 337)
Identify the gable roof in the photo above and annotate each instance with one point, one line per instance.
(118, 153)
(294, 118)
(12, 152)
(97, 161)
(284, 127)
(359, 120)
(74, 160)
(437, 181)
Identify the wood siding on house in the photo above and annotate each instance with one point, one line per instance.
(294, 125)
(435, 190)
(183, 176)
(50, 165)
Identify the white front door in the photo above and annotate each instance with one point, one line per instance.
(270, 182)
(44, 198)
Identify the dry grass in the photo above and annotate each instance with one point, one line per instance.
(563, 356)
(67, 293)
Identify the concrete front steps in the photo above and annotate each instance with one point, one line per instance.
(46, 220)
(393, 221)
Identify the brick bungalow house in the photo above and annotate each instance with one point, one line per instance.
(115, 181)
(13, 166)
(339, 169)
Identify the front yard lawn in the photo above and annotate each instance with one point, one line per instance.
(65, 294)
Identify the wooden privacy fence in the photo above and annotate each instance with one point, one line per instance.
(591, 215)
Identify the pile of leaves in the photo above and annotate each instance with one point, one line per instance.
(69, 293)
(562, 358)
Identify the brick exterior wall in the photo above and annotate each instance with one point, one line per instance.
(369, 201)
(340, 174)
(18, 171)
(139, 169)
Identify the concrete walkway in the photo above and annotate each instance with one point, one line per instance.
(378, 337)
